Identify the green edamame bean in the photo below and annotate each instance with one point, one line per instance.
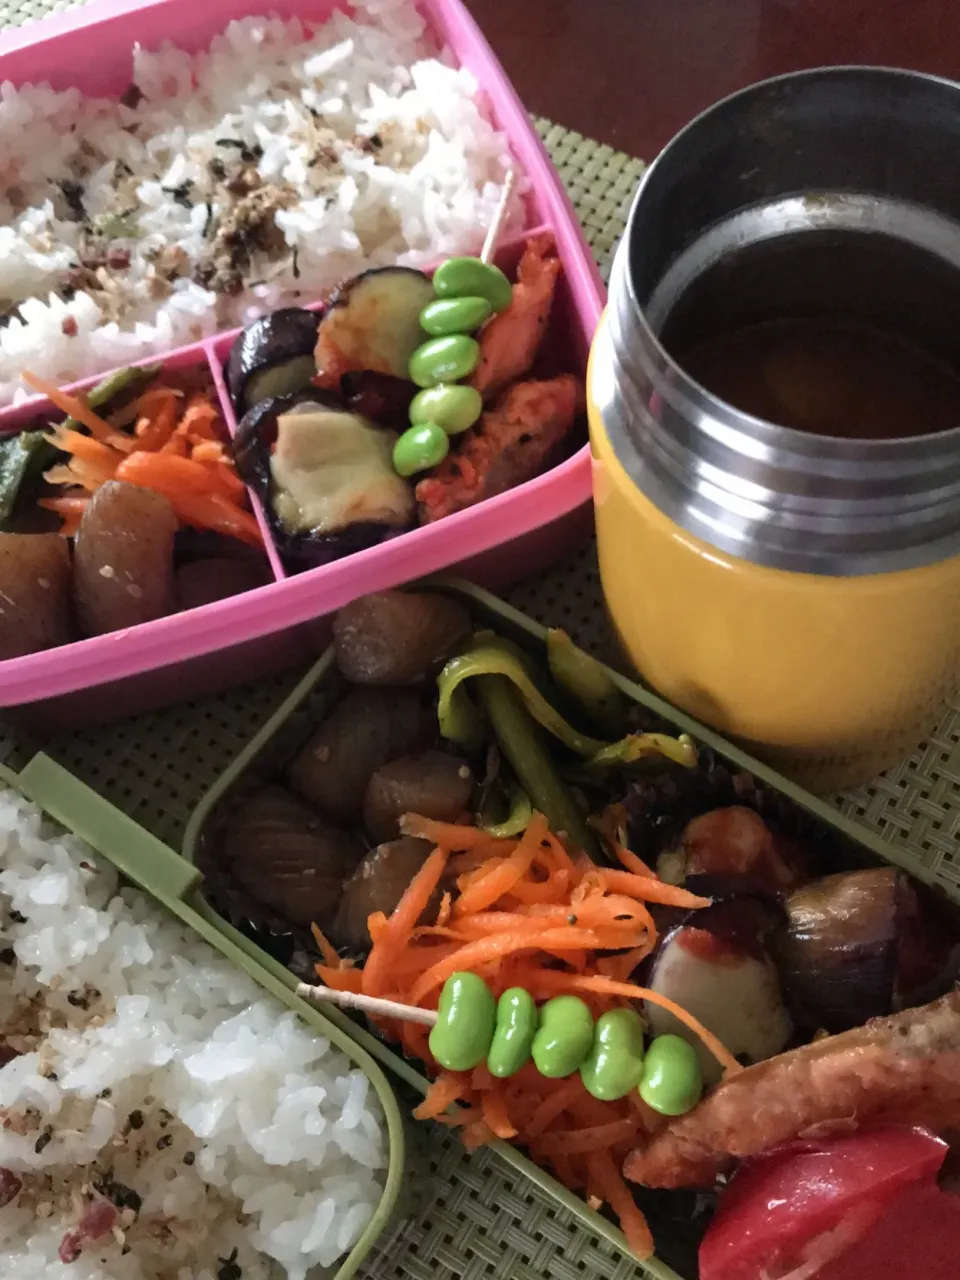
(471, 278)
(466, 1016)
(444, 360)
(454, 315)
(513, 1036)
(614, 1065)
(420, 448)
(453, 406)
(672, 1081)
(563, 1038)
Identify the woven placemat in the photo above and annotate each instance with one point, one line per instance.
(475, 1218)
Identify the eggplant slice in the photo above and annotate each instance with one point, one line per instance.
(273, 356)
(372, 324)
(324, 475)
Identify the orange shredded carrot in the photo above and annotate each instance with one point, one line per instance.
(650, 889)
(331, 957)
(500, 880)
(606, 1180)
(630, 860)
(154, 430)
(408, 911)
(77, 407)
(496, 1115)
(534, 913)
(450, 835)
(78, 445)
(443, 1093)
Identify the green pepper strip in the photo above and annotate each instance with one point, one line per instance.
(521, 741)
(585, 679)
(113, 384)
(516, 821)
(460, 724)
(20, 456)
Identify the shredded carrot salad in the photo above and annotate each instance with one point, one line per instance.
(176, 446)
(526, 913)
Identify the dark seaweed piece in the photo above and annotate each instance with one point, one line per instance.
(72, 192)
(279, 945)
(181, 194)
(229, 1268)
(131, 97)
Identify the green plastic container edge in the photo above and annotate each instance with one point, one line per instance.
(500, 612)
(168, 878)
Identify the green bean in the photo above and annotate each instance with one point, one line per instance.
(514, 1032)
(615, 1062)
(22, 456)
(563, 1037)
(586, 680)
(672, 1080)
(466, 1017)
(521, 741)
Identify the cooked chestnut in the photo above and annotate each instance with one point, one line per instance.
(733, 843)
(398, 637)
(373, 322)
(716, 966)
(365, 729)
(853, 948)
(123, 559)
(36, 606)
(200, 582)
(434, 785)
(287, 858)
(378, 884)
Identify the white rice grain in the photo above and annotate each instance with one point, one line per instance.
(377, 150)
(143, 1057)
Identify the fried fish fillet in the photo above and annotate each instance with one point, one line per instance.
(903, 1069)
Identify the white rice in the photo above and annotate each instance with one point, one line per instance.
(381, 149)
(146, 1059)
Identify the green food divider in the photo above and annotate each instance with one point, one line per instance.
(171, 881)
(519, 627)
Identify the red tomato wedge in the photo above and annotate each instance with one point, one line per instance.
(918, 1234)
(787, 1215)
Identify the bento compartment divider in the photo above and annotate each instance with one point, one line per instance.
(140, 856)
(209, 346)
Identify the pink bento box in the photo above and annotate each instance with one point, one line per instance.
(263, 631)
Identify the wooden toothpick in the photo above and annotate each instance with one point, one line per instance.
(372, 1005)
(499, 217)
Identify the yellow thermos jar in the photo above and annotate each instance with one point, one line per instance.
(797, 587)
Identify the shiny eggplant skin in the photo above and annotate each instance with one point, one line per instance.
(268, 342)
(255, 437)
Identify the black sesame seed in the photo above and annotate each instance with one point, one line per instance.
(17, 918)
(135, 1119)
(43, 1140)
(8, 956)
(190, 1158)
(164, 1142)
